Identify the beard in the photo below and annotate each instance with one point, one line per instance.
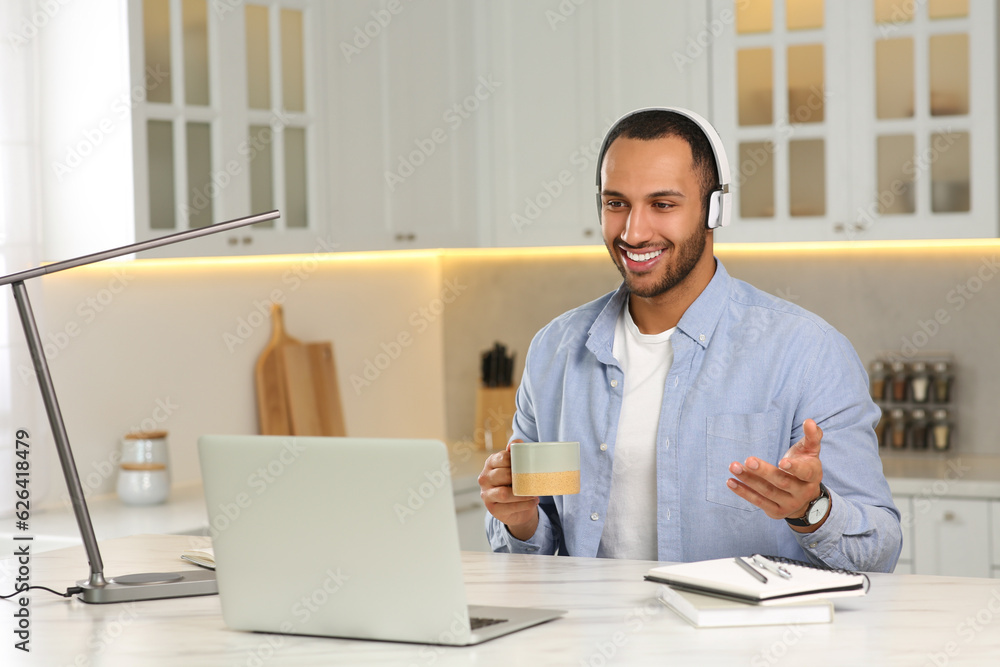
(686, 257)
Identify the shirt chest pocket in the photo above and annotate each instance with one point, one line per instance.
(734, 437)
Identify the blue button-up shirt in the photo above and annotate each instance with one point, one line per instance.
(748, 370)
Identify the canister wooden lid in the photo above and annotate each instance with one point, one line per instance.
(146, 435)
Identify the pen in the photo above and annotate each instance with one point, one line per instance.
(756, 575)
(770, 566)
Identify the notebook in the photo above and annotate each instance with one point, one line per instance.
(204, 557)
(748, 582)
(342, 537)
(706, 611)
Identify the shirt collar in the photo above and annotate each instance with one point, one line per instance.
(698, 322)
(702, 317)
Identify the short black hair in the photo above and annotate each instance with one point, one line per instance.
(659, 123)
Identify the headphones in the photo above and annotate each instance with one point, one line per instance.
(720, 199)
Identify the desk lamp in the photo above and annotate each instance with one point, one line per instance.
(97, 589)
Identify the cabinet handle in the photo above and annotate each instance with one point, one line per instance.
(232, 240)
(247, 240)
(588, 232)
(406, 237)
(949, 516)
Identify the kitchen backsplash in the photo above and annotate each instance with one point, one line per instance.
(895, 301)
(174, 344)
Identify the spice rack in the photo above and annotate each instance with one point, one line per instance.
(915, 396)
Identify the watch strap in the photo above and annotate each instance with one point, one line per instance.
(803, 521)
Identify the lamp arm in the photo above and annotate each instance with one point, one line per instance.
(96, 589)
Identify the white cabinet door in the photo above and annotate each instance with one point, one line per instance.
(471, 521)
(995, 511)
(952, 537)
(406, 96)
(905, 506)
(568, 71)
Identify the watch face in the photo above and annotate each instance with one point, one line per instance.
(818, 510)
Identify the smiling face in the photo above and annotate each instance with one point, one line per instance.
(652, 216)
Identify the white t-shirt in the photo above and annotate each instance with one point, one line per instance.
(630, 525)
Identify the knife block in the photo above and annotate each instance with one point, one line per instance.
(494, 417)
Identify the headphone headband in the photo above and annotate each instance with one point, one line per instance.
(721, 196)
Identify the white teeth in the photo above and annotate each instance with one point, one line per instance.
(644, 257)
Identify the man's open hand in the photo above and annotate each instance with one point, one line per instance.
(785, 490)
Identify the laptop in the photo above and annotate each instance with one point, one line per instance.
(343, 537)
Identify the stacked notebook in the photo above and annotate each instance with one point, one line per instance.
(758, 590)
(204, 557)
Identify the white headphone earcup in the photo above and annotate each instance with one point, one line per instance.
(714, 218)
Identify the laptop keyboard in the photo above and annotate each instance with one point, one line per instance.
(479, 623)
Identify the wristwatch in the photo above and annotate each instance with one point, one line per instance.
(814, 512)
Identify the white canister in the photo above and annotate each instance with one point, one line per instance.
(143, 472)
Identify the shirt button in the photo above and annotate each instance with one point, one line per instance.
(813, 545)
(614, 383)
(702, 338)
(593, 517)
(604, 446)
(666, 442)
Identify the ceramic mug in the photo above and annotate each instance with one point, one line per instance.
(545, 468)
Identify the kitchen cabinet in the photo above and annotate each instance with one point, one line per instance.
(406, 101)
(357, 120)
(905, 506)
(231, 124)
(443, 125)
(995, 512)
(471, 520)
(946, 535)
(951, 536)
(950, 507)
(418, 125)
(569, 71)
(857, 120)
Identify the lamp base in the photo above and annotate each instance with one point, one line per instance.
(150, 586)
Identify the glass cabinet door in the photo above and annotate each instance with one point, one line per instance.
(858, 120)
(179, 116)
(922, 114)
(779, 123)
(223, 122)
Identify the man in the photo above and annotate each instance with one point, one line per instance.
(714, 420)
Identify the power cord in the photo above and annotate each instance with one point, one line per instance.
(70, 592)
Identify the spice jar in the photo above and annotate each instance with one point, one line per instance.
(920, 382)
(918, 429)
(899, 381)
(942, 382)
(143, 474)
(897, 428)
(941, 430)
(877, 379)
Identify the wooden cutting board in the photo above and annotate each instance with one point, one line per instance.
(325, 389)
(269, 376)
(297, 391)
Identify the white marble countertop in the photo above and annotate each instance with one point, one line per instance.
(613, 619)
(942, 475)
(54, 527)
